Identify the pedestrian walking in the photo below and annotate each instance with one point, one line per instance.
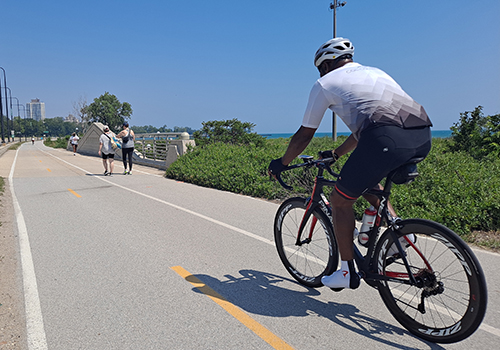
(106, 151)
(128, 139)
(74, 142)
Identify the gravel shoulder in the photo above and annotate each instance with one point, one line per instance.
(12, 321)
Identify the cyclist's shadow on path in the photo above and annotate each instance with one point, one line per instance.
(260, 293)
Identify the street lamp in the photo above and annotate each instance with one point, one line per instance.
(333, 6)
(19, 114)
(6, 107)
(7, 98)
(1, 107)
(11, 114)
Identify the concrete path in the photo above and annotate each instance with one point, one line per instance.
(144, 262)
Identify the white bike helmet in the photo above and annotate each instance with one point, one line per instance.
(333, 49)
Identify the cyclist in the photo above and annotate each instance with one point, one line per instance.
(387, 126)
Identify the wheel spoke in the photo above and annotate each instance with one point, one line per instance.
(437, 307)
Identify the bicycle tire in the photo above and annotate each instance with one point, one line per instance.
(310, 261)
(453, 310)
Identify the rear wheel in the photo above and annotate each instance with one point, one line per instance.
(448, 302)
(316, 253)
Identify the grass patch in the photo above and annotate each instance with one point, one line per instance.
(15, 146)
(454, 189)
(61, 142)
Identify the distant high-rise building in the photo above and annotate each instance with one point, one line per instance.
(35, 109)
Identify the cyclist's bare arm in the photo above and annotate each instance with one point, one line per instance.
(347, 146)
(299, 142)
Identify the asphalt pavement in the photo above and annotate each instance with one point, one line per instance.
(144, 262)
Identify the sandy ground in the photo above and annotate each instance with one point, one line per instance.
(12, 322)
(12, 329)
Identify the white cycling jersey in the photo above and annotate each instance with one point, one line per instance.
(362, 96)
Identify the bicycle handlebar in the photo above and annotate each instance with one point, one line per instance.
(308, 162)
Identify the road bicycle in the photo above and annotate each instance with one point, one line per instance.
(434, 286)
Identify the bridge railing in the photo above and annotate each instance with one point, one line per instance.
(160, 149)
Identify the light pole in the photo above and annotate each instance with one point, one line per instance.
(6, 106)
(1, 107)
(11, 114)
(19, 114)
(333, 6)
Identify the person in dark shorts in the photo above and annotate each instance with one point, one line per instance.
(74, 142)
(388, 129)
(106, 151)
(128, 141)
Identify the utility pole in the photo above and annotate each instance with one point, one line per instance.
(333, 6)
(1, 107)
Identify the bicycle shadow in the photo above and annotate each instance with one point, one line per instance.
(260, 293)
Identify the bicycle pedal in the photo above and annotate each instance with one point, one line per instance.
(337, 289)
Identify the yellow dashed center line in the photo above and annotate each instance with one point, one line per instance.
(49, 170)
(76, 194)
(254, 326)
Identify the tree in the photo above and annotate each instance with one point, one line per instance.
(80, 109)
(227, 131)
(107, 109)
(476, 134)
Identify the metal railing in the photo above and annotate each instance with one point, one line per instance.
(153, 148)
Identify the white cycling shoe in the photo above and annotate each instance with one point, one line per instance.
(393, 250)
(345, 277)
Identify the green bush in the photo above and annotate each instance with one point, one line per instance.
(61, 142)
(476, 134)
(454, 188)
(232, 132)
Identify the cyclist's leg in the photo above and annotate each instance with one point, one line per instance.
(375, 201)
(343, 223)
(367, 165)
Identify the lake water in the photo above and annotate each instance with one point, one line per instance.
(435, 134)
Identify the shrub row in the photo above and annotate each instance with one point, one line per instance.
(454, 189)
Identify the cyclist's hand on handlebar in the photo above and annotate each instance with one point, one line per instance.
(276, 167)
(328, 154)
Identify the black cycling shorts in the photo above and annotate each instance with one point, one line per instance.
(380, 150)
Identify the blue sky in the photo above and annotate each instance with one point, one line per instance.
(180, 63)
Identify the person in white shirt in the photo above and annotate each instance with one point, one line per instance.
(74, 142)
(106, 151)
(388, 129)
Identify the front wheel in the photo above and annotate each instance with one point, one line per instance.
(312, 255)
(448, 301)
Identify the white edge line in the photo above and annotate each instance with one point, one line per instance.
(35, 331)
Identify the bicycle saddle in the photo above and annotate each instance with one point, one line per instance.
(406, 173)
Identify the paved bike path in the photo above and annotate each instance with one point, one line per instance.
(107, 250)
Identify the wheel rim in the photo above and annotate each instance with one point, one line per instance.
(439, 305)
(309, 260)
